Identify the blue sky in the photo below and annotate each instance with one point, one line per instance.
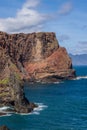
(67, 18)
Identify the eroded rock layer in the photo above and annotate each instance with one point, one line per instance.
(11, 87)
(38, 56)
(35, 57)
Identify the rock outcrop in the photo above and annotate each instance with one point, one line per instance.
(38, 56)
(3, 127)
(35, 57)
(11, 86)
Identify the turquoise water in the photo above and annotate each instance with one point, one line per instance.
(61, 106)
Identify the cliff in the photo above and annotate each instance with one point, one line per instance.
(35, 57)
(11, 87)
(38, 56)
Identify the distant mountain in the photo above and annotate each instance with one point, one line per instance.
(79, 59)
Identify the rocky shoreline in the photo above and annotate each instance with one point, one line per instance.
(35, 57)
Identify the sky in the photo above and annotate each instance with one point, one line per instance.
(67, 18)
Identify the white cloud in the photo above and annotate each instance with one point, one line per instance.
(65, 8)
(27, 19)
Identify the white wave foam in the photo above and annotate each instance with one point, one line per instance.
(4, 108)
(6, 115)
(37, 110)
(6, 111)
(80, 77)
(36, 113)
(40, 107)
(56, 82)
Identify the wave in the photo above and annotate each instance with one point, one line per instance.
(56, 82)
(5, 115)
(40, 107)
(4, 110)
(80, 77)
(37, 110)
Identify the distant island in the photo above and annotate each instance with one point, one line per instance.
(35, 57)
(80, 59)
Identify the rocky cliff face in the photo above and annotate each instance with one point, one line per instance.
(38, 56)
(29, 47)
(35, 57)
(11, 87)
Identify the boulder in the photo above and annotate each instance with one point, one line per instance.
(4, 127)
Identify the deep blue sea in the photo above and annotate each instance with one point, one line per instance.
(62, 106)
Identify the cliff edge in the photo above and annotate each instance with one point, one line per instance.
(38, 56)
(35, 57)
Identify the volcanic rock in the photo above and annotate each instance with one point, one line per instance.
(11, 86)
(35, 57)
(3, 127)
(38, 56)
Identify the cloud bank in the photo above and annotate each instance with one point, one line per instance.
(29, 19)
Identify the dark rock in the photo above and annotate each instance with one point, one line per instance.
(2, 114)
(4, 127)
(11, 86)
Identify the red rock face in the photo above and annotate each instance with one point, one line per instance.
(38, 56)
(56, 67)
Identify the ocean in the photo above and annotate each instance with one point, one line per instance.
(62, 106)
